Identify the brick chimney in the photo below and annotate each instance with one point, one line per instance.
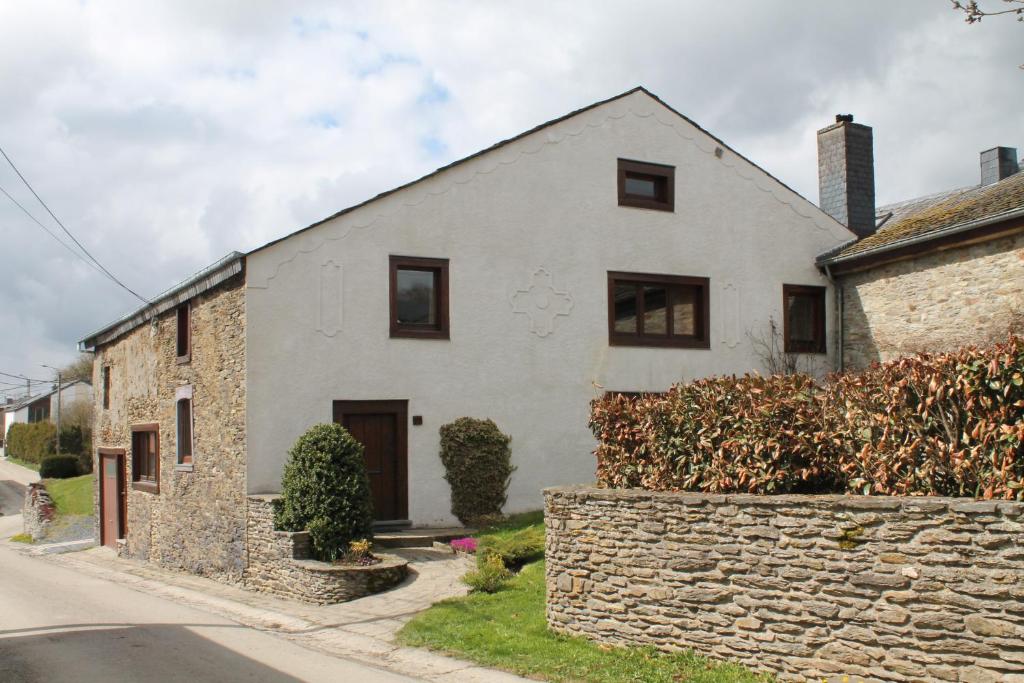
(846, 174)
(998, 163)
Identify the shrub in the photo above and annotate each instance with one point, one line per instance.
(31, 442)
(59, 467)
(325, 491)
(478, 466)
(514, 549)
(490, 576)
(949, 424)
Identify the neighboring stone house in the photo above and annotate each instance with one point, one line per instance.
(618, 248)
(928, 274)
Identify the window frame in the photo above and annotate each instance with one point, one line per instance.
(670, 340)
(105, 379)
(439, 266)
(662, 173)
(183, 310)
(820, 343)
(150, 484)
(184, 395)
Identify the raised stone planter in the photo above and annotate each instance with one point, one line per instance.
(279, 563)
(808, 587)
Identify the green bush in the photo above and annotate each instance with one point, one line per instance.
(514, 548)
(490, 576)
(325, 491)
(478, 465)
(59, 467)
(31, 442)
(949, 425)
(72, 440)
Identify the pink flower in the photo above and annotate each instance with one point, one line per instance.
(464, 545)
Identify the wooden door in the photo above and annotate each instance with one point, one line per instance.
(112, 496)
(381, 427)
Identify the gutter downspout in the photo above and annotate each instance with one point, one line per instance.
(839, 302)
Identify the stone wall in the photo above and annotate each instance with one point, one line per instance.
(890, 589)
(935, 302)
(38, 510)
(196, 522)
(279, 563)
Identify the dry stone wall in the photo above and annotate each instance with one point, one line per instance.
(37, 511)
(936, 302)
(279, 563)
(196, 522)
(809, 587)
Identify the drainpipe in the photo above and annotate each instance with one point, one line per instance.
(837, 288)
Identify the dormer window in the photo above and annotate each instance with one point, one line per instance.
(646, 186)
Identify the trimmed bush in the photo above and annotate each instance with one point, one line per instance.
(514, 548)
(59, 467)
(948, 425)
(478, 465)
(490, 576)
(31, 442)
(325, 491)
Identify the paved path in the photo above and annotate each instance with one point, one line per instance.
(61, 625)
(13, 480)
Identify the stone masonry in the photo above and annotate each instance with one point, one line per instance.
(38, 510)
(846, 175)
(936, 302)
(808, 587)
(279, 563)
(196, 522)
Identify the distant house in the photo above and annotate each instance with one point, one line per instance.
(620, 247)
(42, 407)
(926, 274)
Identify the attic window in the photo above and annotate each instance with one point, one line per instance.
(184, 333)
(646, 186)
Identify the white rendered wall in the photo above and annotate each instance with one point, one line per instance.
(542, 213)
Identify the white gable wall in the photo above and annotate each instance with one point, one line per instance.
(317, 303)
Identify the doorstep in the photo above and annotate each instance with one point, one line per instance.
(419, 538)
(362, 630)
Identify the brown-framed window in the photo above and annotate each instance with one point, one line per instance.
(184, 332)
(105, 372)
(419, 297)
(146, 457)
(804, 318)
(658, 310)
(646, 186)
(184, 430)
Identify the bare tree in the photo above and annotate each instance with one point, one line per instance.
(79, 369)
(770, 347)
(973, 13)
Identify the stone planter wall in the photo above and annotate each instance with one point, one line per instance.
(279, 563)
(37, 511)
(809, 587)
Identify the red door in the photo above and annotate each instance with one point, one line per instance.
(112, 498)
(381, 427)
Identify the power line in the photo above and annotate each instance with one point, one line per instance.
(68, 232)
(23, 378)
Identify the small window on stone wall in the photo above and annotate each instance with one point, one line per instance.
(184, 426)
(106, 386)
(146, 457)
(184, 333)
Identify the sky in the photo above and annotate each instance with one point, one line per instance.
(166, 134)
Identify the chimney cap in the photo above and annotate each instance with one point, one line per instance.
(844, 118)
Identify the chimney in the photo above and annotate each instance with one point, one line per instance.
(846, 174)
(998, 163)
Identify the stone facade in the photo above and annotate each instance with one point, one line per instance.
(809, 587)
(934, 302)
(38, 510)
(279, 563)
(196, 522)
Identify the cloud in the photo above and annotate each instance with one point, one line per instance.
(167, 134)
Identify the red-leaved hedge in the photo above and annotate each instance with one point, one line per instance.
(948, 424)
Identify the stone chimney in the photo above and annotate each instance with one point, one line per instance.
(846, 174)
(998, 163)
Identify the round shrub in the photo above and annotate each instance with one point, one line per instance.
(325, 491)
(478, 465)
(59, 467)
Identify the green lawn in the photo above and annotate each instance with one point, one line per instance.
(71, 496)
(34, 466)
(507, 630)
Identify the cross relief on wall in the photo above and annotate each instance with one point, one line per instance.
(541, 302)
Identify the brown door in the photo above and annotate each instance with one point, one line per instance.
(381, 427)
(112, 498)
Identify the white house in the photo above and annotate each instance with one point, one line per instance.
(618, 248)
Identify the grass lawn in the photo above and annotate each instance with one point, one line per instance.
(34, 466)
(507, 630)
(71, 496)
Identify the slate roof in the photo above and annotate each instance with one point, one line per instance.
(938, 214)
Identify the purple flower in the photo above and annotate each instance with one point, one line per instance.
(464, 545)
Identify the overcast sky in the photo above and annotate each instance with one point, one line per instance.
(165, 135)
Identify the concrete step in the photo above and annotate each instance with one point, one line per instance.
(418, 538)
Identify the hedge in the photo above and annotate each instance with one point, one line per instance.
(477, 465)
(31, 442)
(948, 424)
(59, 467)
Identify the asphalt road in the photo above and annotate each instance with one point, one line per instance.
(57, 625)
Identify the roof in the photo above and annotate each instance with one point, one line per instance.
(939, 215)
(18, 405)
(522, 135)
(204, 280)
